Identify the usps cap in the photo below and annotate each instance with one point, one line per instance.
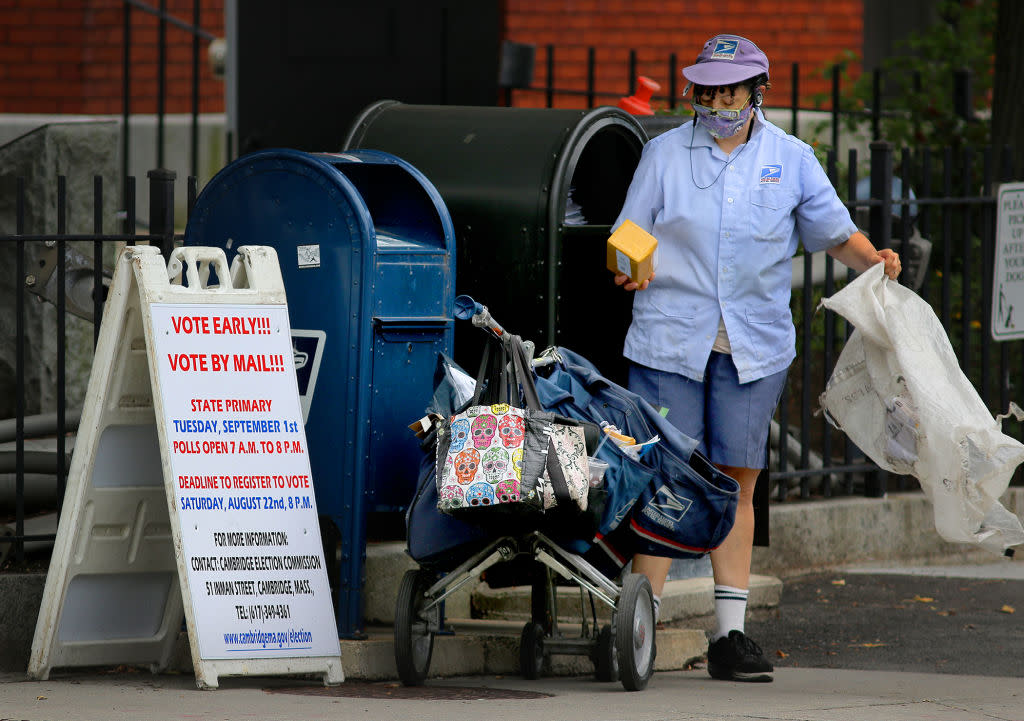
(727, 59)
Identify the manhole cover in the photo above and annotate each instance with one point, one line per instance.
(392, 690)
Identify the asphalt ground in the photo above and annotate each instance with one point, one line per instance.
(970, 622)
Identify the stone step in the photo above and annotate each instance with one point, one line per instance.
(492, 647)
(680, 600)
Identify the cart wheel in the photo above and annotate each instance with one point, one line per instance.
(634, 632)
(531, 650)
(606, 663)
(414, 628)
(540, 606)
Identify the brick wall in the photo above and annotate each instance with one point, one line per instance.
(66, 56)
(809, 32)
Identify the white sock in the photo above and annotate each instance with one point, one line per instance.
(730, 608)
(657, 606)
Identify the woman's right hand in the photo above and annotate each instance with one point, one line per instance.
(623, 280)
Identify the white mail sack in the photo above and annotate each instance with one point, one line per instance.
(899, 394)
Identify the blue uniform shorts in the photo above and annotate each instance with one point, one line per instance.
(730, 420)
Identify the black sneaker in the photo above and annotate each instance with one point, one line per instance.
(737, 658)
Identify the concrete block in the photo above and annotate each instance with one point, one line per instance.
(22, 596)
(897, 528)
(78, 151)
(386, 563)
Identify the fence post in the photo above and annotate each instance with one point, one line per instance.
(876, 104)
(880, 231)
(673, 82)
(591, 57)
(161, 208)
(795, 101)
(549, 93)
(835, 107)
(20, 355)
(879, 223)
(161, 85)
(632, 72)
(126, 80)
(962, 91)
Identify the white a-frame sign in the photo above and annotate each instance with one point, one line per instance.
(189, 490)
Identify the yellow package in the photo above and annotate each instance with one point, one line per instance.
(632, 251)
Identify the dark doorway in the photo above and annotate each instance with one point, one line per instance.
(306, 67)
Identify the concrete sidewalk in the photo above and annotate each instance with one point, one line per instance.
(797, 694)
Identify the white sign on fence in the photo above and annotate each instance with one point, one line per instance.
(190, 488)
(1008, 275)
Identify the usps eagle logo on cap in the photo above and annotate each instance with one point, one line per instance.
(725, 49)
(771, 173)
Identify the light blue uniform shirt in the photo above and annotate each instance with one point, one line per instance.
(726, 233)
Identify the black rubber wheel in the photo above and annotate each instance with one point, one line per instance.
(531, 650)
(634, 632)
(414, 629)
(540, 601)
(606, 662)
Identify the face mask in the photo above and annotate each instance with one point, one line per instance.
(722, 123)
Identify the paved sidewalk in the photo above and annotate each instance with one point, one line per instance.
(797, 694)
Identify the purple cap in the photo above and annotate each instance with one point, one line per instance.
(727, 59)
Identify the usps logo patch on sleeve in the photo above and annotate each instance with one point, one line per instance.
(725, 50)
(771, 173)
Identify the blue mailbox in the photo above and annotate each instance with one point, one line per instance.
(366, 248)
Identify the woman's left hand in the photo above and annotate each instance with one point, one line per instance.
(892, 262)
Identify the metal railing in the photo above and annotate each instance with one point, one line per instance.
(960, 83)
(954, 208)
(164, 20)
(57, 425)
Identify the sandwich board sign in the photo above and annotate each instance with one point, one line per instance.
(189, 491)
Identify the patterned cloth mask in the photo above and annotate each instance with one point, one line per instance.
(722, 123)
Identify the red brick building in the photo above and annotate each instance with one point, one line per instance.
(808, 32)
(67, 56)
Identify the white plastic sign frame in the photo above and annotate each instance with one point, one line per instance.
(1008, 270)
(193, 388)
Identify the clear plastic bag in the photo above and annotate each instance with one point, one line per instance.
(898, 392)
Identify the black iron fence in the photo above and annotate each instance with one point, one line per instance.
(944, 196)
(518, 70)
(34, 441)
(938, 210)
(164, 21)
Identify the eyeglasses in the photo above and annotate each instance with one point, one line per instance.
(707, 93)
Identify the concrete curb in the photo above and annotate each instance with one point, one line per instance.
(899, 528)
